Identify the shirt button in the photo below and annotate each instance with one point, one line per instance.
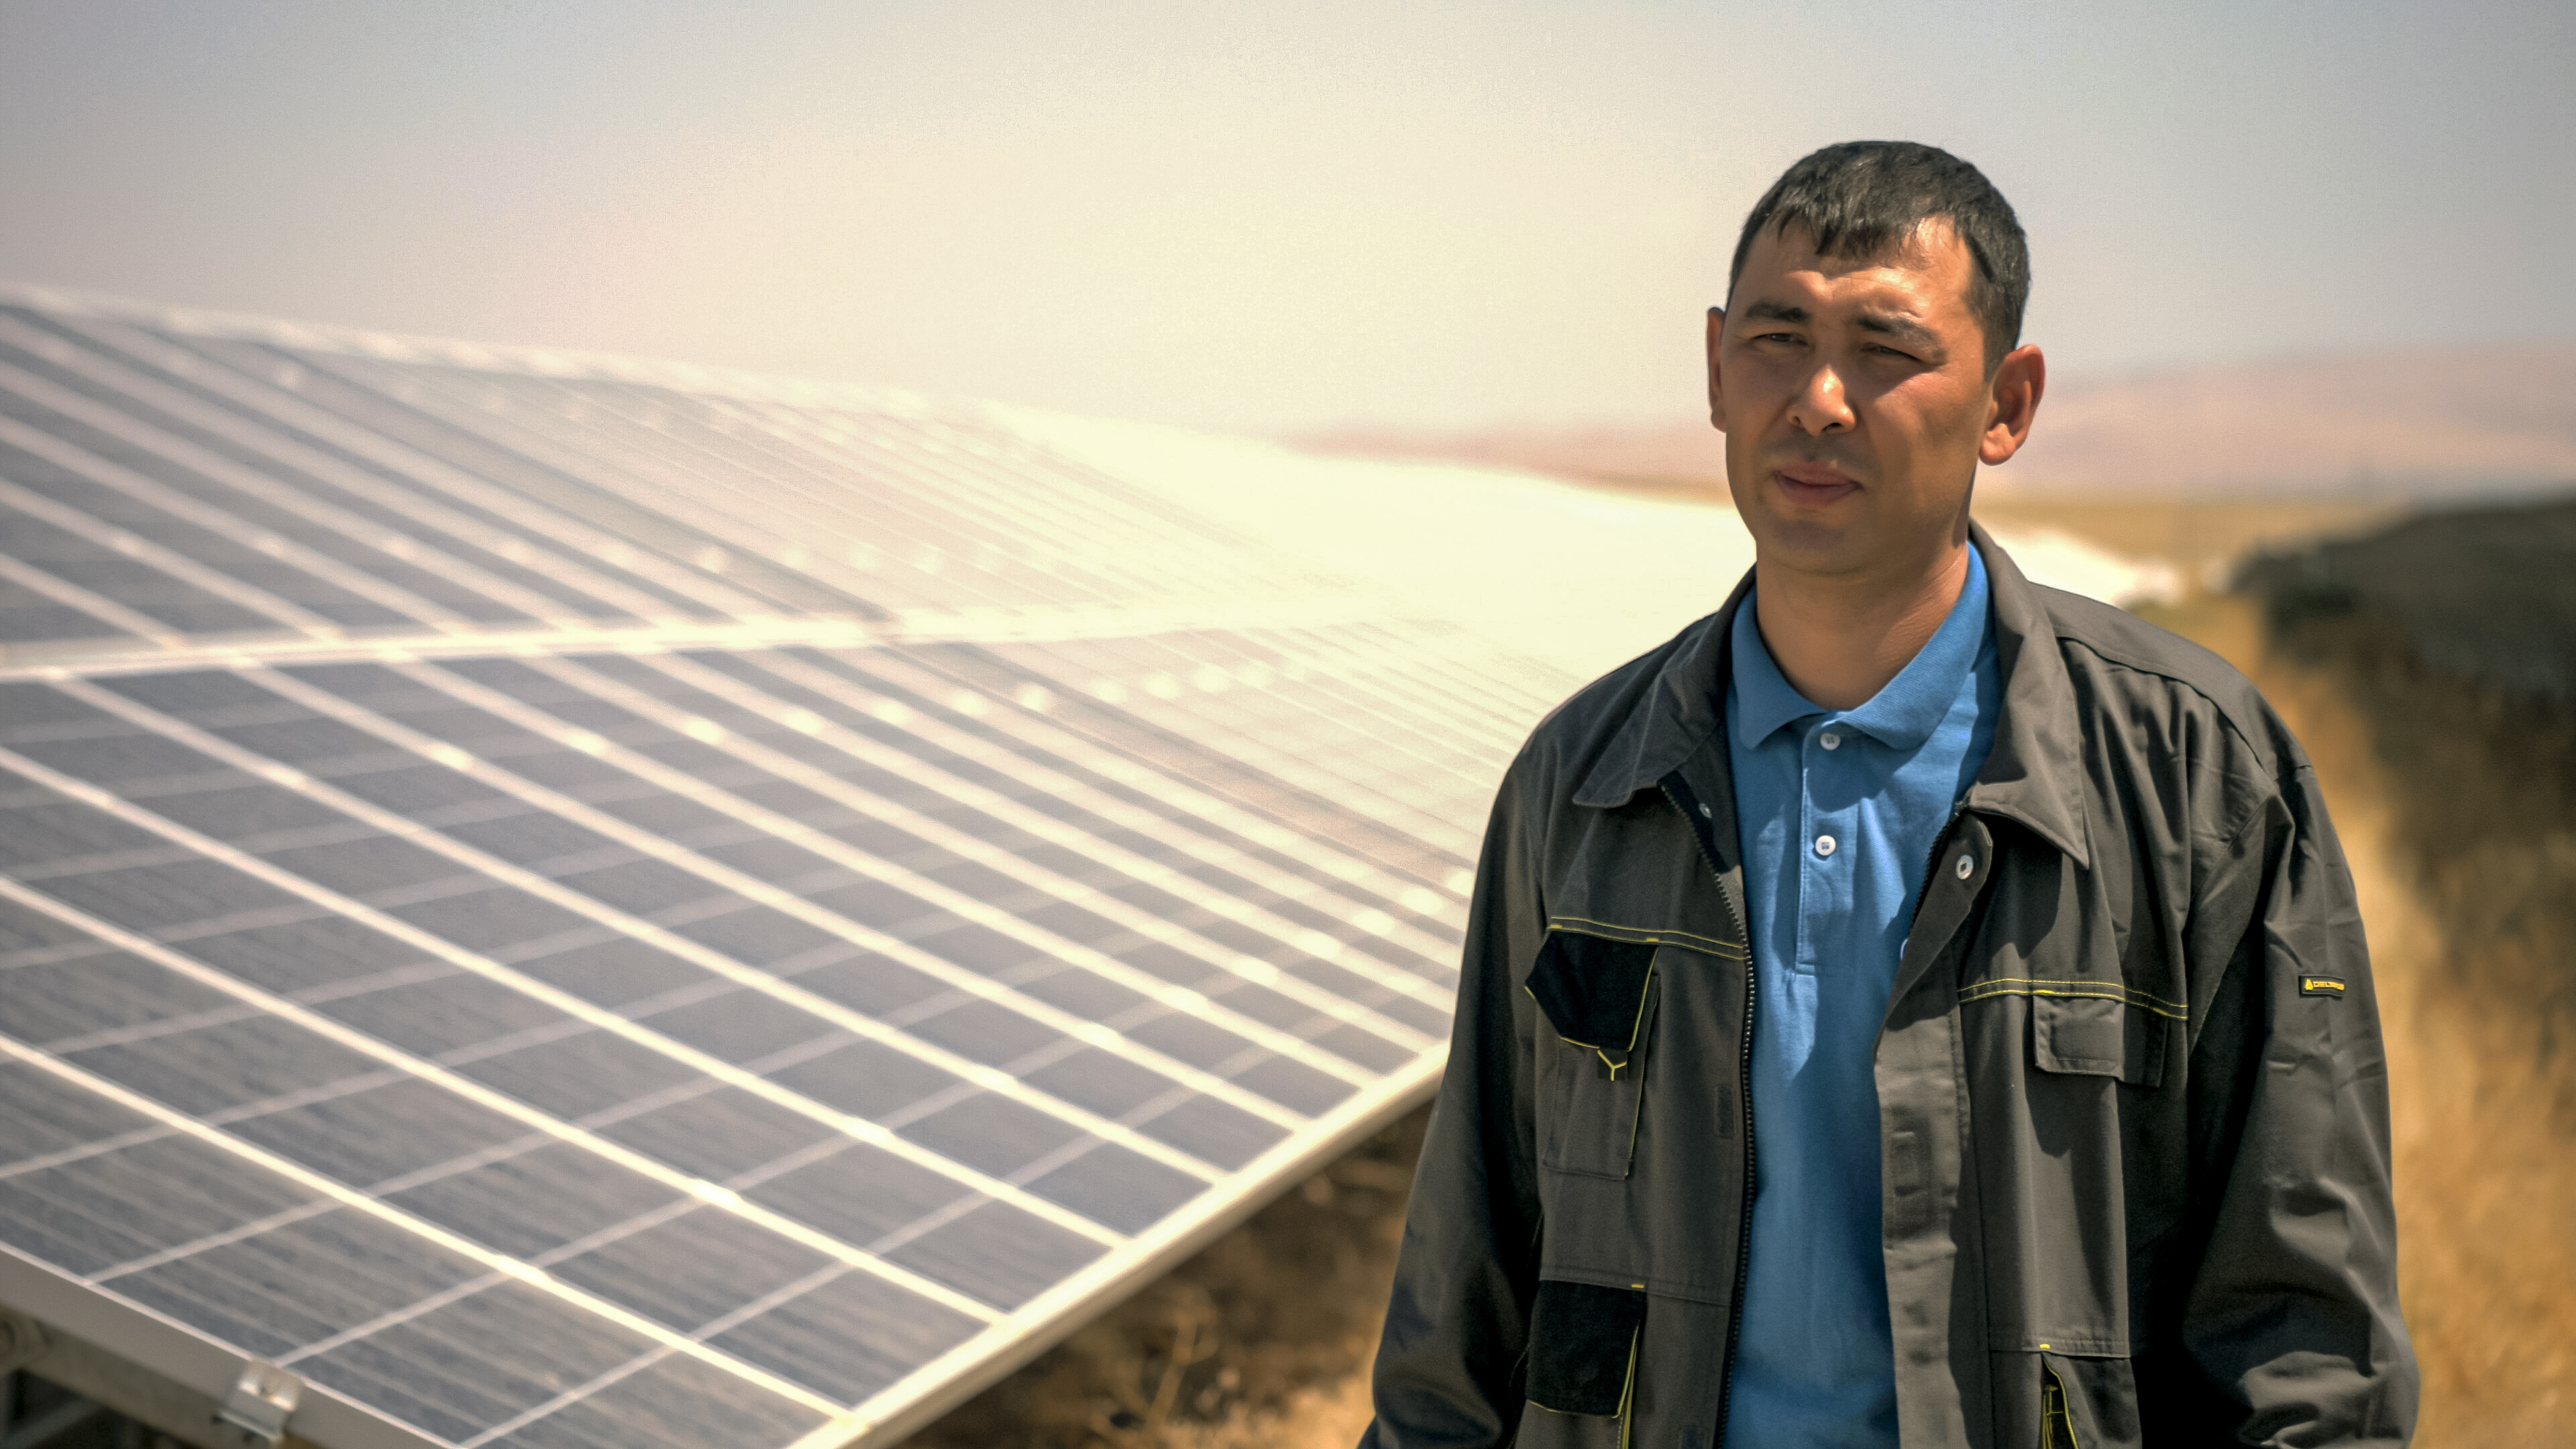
(1967, 866)
(1824, 845)
(1830, 741)
(1707, 813)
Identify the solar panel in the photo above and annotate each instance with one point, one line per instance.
(562, 902)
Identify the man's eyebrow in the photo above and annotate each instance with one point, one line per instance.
(1894, 324)
(1775, 312)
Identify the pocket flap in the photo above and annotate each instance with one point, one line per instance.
(1593, 990)
(1583, 1346)
(2097, 1036)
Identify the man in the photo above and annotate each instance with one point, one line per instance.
(1913, 1005)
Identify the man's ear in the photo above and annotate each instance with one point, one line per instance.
(1716, 396)
(2012, 402)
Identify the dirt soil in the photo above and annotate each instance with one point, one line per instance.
(2456, 804)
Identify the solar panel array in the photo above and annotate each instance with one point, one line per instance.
(584, 904)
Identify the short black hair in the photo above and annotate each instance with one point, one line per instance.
(1859, 198)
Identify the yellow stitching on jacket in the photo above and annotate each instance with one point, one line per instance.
(1593, 1047)
(1628, 1392)
(2081, 981)
(1636, 1028)
(1640, 936)
(1994, 986)
(2055, 1412)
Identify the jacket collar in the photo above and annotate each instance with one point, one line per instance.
(2034, 774)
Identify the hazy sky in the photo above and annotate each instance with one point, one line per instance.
(1271, 216)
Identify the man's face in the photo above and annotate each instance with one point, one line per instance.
(1855, 402)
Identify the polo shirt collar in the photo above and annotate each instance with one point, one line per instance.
(2034, 774)
(1904, 712)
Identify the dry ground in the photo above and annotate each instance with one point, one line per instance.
(2453, 807)
(2464, 851)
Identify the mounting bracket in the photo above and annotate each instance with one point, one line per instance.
(262, 1400)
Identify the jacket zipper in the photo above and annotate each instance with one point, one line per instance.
(1744, 1094)
(1744, 1086)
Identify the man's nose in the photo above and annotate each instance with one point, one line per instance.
(1820, 406)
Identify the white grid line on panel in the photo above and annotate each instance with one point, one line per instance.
(420, 1069)
(388, 823)
(652, 771)
(1361, 801)
(1401, 689)
(1046, 827)
(674, 551)
(337, 644)
(1481, 726)
(1039, 731)
(1464, 658)
(1058, 518)
(705, 1333)
(921, 459)
(169, 561)
(346, 577)
(481, 409)
(447, 352)
(911, 1402)
(1395, 736)
(499, 1264)
(1225, 850)
(858, 1129)
(656, 847)
(568, 541)
(829, 1012)
(95, 659)
(364, 532)
(1387, 742)
(813, 514)
(502, 396)
(1039, 545)
(98, 606)
(81, 1151)
(679, 782)
(932, 468)
(1040, 516)
(1301, 770)
(966, 846)
(284, 1218)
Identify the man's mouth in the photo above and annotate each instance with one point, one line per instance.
(1814, 484)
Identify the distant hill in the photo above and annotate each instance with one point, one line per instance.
(2416, 424)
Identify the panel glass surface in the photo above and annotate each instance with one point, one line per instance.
(586, 904)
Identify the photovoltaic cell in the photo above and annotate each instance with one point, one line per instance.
(583, 903)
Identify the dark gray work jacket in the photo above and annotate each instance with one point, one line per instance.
(2133, 1108)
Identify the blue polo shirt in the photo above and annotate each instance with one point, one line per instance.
(1838, 813)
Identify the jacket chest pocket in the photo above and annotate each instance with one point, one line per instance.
(1599, 997)
(2083, 1027)
(2099, 1036)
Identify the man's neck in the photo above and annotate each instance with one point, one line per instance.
(1839, 639)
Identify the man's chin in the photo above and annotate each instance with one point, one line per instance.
(1810, 544)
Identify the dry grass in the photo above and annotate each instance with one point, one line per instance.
(2455, 808)
(2193, 534)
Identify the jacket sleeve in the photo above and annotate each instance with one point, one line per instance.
(2292, 1319)
(1450, 1366)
